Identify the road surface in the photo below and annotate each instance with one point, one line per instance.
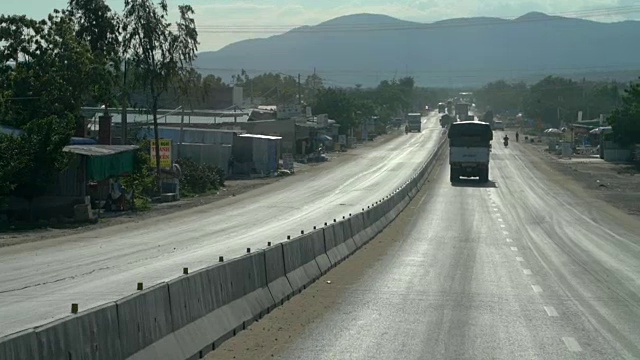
(39, 281)
(522, 268)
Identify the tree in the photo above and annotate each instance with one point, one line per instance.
(158, 54)
(625, 121)
(338, 105)
(45, 76)
(99, 27)
(41, 158)
(501, 96)
(554, 99)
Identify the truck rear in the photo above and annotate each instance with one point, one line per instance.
(469, 150)
(414, 120)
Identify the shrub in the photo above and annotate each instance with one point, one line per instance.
(199, 179)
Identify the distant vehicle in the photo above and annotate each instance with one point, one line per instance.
(469, 149)
(498, 125)
(450, 107)
(414, 120)
(462, 111)
(446, 120)
(442, 108)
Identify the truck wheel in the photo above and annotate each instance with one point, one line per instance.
(485, 176)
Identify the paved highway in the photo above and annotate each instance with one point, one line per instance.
(519, 269)
(39, 281)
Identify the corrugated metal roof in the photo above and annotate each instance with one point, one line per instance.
(99, 150)
(256, 136)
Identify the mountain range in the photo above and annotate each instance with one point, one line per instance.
(367, 48)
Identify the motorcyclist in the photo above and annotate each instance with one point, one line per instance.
(517, 136)
(506, 140)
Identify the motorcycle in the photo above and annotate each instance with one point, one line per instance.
(506, 143)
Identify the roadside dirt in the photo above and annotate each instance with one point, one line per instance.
(616, 184)
(271, 336)
(232, 188)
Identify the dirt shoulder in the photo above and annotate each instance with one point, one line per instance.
(232, 189)
(271, 336)
(616, 184)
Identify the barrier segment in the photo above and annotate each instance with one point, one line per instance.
(92, 334)
(240, 296)
(300, 260)
(277, 281)
(22, 345)
(360, 236)
(337, 243)
(145, 325)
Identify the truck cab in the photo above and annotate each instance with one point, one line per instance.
(469, 150)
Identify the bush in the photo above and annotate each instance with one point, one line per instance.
(199, 179)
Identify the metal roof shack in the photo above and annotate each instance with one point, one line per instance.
(105, 161)
(257, 136)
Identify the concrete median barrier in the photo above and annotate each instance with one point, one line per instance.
(358, 230)
(237, 295)
(277, 281)
(337, 242)
(22, 345)
(90, 335)
(145, 325)
(300, 260)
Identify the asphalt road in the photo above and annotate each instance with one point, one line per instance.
(39, 281)
(522, 268)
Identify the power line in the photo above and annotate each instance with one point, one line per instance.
(467, 73)
(455, 23)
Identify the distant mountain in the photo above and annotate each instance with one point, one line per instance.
(368, 48)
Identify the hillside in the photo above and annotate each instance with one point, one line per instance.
(367, 48)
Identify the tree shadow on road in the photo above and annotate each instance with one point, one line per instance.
(474, 183)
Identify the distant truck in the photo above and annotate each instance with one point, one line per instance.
(498, 125)
(414, 121)
(462, 111)
(469, 149)
(442, 108)
(446, 120)
(450, 107)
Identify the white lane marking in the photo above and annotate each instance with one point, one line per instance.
(505, 232)
(509, 240)
(503, 225)
(518, 258)
(550, 311)
(572, 344)
(526, 271)
(514, 248)
(495, 209)
(536, 288)
(500, 219)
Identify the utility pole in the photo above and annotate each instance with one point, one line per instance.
(299, 91)
(125, 104)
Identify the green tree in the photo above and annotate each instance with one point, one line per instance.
(45, 74)
(100, 28)
(338, 105)
(554, 99)
(625, 121)
(159, 54)
(501, 96)
(42, 158)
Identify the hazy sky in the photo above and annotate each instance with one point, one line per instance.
(225, 21)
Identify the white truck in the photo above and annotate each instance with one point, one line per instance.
(469, 150)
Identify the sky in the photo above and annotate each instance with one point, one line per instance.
(221, 22)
